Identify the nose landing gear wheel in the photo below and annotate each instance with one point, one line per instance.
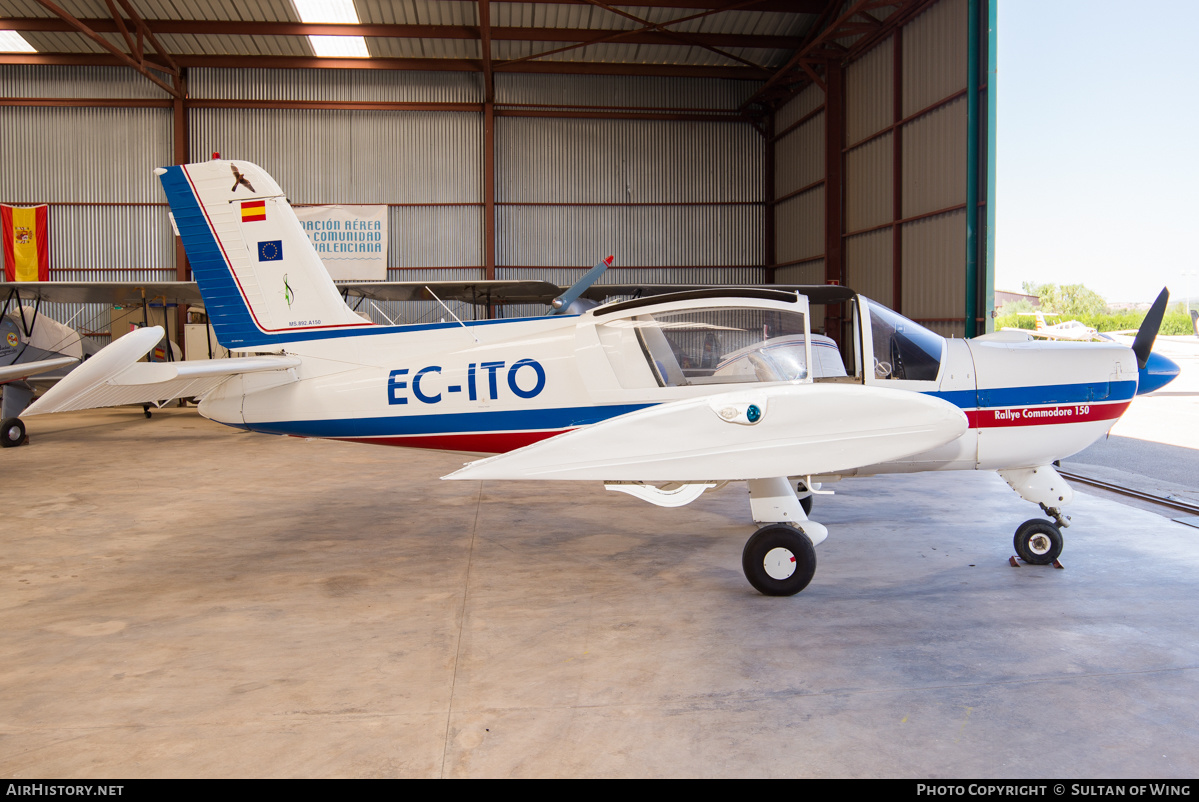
(12, 432)
(1038, 542)
(779, 560)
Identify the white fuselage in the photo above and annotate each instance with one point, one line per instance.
(493, 386)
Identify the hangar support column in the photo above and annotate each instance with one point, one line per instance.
(834, 199)
(181, 150)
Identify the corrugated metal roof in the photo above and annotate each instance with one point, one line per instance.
(418, 12)
(677, 39)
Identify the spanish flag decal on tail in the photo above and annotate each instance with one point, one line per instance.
(253, 211)
(26, 242)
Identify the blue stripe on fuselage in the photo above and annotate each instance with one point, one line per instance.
(450, 423)
(995, 397)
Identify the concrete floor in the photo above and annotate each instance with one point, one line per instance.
(180, 599)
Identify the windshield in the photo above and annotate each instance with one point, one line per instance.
(903, 349)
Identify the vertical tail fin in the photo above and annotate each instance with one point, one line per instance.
(262, 281)
(1040, 322)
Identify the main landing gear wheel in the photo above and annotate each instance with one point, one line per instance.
(1038, 542)
(12, 433)
(779, 560)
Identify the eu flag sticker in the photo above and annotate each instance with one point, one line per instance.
(270, 251)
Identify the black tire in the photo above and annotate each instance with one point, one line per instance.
(770, 552)
(12, 433)
(1038, 542)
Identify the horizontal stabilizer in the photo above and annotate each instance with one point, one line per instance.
(24, 369)
(114, 376)
(778, 430)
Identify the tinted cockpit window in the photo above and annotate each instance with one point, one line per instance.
(903, 349)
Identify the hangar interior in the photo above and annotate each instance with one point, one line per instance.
(185, 599)
(797, 142)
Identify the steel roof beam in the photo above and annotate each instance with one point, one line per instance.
(427, 64)
(646, 25)
(485, 50)
(787, 6)
(137, 61)
(511, 34)
(856, 21)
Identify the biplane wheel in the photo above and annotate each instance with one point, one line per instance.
(146, 410)
(1038, 542)
(779, 560)
(12, 433)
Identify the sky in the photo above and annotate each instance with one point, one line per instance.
(1097, 137)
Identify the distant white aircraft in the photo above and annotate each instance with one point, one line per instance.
(660, 397)
(1067, 330)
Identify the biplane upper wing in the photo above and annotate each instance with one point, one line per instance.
(24, 370)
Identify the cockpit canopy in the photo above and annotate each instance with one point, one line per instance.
(741, 335)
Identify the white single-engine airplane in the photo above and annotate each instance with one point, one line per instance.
(660, 397)
(1066, 330)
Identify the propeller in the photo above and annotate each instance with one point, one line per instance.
(1143, 344)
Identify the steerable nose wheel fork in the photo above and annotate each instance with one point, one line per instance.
(1037, 541)
(780, 558)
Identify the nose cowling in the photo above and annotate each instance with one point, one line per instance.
(1156, 374)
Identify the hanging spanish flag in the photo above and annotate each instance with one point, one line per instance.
(26, 242)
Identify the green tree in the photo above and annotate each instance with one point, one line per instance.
(1069, 300)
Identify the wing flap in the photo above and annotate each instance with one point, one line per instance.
(796, 430)
(114, 376)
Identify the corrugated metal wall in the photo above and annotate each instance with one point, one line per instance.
(798, 169)
(337, 85)
(676, 201)
(24, 80)
(931, 127)
(665, 196)
(564, 189)
(94, 166)
(415, 160)
(927, 230)
(615, 91)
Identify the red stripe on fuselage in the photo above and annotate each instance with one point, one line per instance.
(480, 442)
(1043, 416)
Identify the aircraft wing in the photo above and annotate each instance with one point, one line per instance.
(103, 292)
(114, 376)
(769, 431)
(128, 293)
(1044, 335)
(25, 369)
(476, 292)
